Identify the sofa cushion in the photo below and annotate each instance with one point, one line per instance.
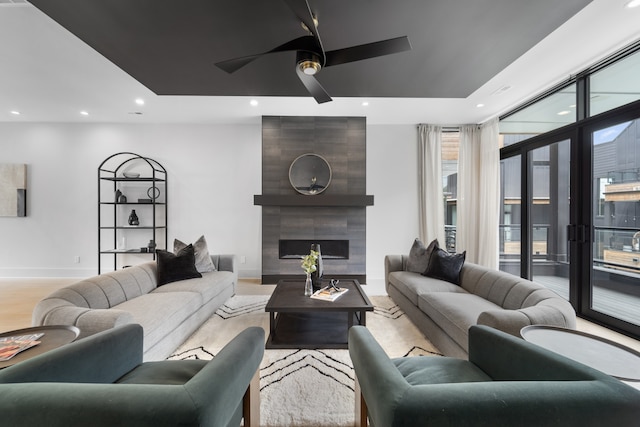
(445, 266)
(438, 370)
(165, 372)
(412, 284)
(209, 286)
(161, 312)
(454, 312)
(203, 261)
(419, 256)
(174, 267)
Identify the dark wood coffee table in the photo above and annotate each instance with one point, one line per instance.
(297, 321)
(54, 337)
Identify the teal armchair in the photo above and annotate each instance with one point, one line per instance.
(505, 382)
(101, 381)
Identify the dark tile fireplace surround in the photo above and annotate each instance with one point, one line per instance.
(336, 218)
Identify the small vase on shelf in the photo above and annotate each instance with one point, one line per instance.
(133, 218)
(308, 287)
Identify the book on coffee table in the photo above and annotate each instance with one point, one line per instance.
(329, 293)
(10, 346)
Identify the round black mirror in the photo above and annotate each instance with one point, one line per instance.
(310, 174)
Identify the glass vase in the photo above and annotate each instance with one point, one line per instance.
(316, 276)
(308, 287)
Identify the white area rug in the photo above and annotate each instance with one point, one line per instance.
(305, 387)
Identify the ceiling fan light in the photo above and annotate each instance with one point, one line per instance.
(309, 67)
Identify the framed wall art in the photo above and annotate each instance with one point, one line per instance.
(13, 189)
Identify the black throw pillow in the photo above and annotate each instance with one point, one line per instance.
(174, 267)
(419, 255)
(445, 266)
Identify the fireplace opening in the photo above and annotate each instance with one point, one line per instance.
(330, 249)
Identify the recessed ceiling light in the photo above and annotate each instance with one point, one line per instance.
(365, 103)
(84, 113)
(139, 101)
(564, 113)
(633, 3)
(479, 105)
(253, 102)
(15, 113)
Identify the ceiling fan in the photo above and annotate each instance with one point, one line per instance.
(311, 56)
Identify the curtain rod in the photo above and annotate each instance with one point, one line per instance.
(448, 128)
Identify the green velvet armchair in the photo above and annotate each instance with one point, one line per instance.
(101, 381)
(505, 382)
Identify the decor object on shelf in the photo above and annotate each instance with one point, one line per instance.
(316, 275)
(310, 174)
(135, 297)
(13, 190)
(131, 175)
(133, 218)
(118, 194)
(506, 382)
(153, 193)
(102, 381)
(151, 247)
(309, 266)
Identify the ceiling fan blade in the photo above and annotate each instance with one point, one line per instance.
(366, 51)
(304, 43)
(303, 11)
(313, 87)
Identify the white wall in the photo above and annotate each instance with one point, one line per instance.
(213, 173)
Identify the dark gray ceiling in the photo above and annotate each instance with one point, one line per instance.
(171, 47)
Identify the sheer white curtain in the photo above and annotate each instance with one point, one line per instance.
(430, 201)
(479, 193)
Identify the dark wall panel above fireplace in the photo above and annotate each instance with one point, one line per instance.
(342, 142)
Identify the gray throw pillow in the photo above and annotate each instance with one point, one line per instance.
(204, 264)
(419, 256)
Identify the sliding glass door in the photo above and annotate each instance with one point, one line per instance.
(549, 177)
(614, 289)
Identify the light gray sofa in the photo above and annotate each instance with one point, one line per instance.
(169, 314)
(444, 311)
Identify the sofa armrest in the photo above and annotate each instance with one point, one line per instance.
(225, 380)
(393, 263)
(509, 321)
(100, 358)
(225, 262)
(512, 321)
(380, 382)
(89, 321)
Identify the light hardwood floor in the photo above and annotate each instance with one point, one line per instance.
(18, 297)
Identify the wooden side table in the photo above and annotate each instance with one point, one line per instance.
(54, 337)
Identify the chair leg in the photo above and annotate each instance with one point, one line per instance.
(251, 402)
(361, 407)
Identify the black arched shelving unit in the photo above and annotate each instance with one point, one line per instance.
(129, 182)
